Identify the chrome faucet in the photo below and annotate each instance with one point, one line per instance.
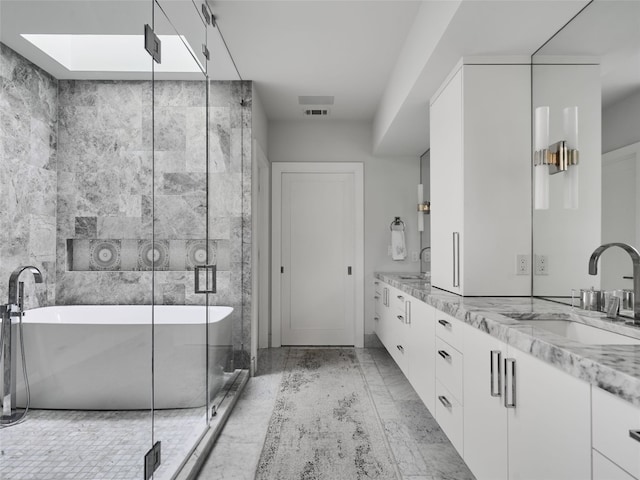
(635, 258)
(14, 308)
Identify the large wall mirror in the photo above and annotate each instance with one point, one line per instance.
(593, 64)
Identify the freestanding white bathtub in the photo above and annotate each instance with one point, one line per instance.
(95, 357)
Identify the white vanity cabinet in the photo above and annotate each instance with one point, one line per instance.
(485, 416)
(523, 419)
(405, 326)
(421, 350)
(449, 410)
(480, 180)
(549, 427)
(392, 324)
(616, 454)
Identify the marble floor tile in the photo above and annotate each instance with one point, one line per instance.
(421, 449)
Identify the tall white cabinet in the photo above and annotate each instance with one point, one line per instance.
(480, 179)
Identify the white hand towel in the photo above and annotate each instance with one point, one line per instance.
(398, 247)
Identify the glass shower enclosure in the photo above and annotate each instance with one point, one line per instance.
(121, 180)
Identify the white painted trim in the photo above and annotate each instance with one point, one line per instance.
(259, 264)
(278, 168)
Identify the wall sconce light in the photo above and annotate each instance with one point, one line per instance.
(423, 207)
(562, 156)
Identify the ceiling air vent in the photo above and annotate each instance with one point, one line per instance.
(315, 112)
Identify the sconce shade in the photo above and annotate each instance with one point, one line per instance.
(541, 144)
(570, 124)
(420, 214)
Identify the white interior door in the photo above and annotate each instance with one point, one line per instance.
(317, 253)
(318, 259)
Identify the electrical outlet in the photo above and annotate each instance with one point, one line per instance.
(522, 264)
(541, 265)
(414, 256)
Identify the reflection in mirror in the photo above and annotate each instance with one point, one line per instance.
(592, 63)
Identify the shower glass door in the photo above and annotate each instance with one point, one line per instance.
(76, 187)
(180, 250)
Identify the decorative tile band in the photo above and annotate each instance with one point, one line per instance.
(143, 255)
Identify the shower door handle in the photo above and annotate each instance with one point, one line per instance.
(210, 284)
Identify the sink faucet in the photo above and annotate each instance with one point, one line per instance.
(635, 258)
(13, 309)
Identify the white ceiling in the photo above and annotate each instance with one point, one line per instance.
(343, 48)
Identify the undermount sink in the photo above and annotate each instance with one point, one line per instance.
(580, 332)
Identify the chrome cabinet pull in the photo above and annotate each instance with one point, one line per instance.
(376, 297)
(401, 318)
(445, 324)
(407, 312)
(456, 259)
(510, 373)
(385, 299)
(635, 434)
(400, 347)
(400, 297)
(210, 286)
(493, 355)
(444, 355)
(445, 402)
(376, 318)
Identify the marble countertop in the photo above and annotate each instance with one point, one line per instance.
(615, 368)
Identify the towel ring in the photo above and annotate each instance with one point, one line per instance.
(396, 222)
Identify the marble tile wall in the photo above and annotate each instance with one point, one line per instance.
(28, 139)
(105, 208)
(76, 171)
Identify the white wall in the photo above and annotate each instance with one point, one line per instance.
(389, 186)
(621, 123)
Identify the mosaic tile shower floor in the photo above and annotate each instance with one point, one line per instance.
(96, 445)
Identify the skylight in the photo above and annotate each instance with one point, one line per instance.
(115, 53)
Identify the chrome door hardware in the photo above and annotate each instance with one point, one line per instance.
(210, 275)
(152, 44)
(152, 460)
(445, 402)
(407, 312)
(385, 297)
(456, 259)
(510, 374)
(494, 359)
(444, 355)
(445, 324)
(635, 434)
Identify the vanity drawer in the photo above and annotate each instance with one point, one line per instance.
(605, 469)
(377, 287)
(449, 329)
(397, 299)
(449, 368)
(612, 418)
(449, 415)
